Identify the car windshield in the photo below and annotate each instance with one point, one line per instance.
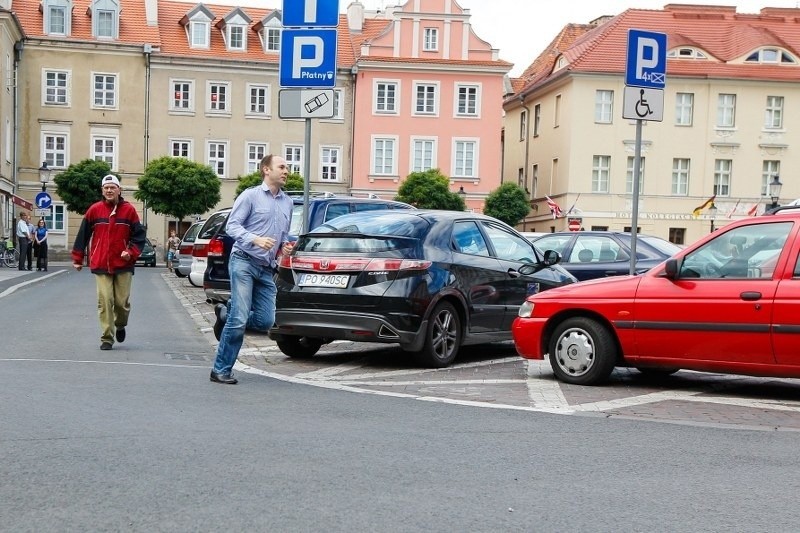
(191, 233)
(665, 247)
(389, 223)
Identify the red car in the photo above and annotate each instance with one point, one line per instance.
(729, 303)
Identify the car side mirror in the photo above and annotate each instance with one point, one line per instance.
(671, 269)
(551, 257)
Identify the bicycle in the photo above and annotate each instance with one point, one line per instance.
(9, 256)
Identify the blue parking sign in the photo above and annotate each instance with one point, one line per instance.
(310, 13)
(646, 64)
(308, 58)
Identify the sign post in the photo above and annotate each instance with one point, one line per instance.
(645, 79)
(308, 63)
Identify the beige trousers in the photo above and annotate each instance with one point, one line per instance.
(113, 305)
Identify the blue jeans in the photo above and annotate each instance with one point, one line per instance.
(251, 306)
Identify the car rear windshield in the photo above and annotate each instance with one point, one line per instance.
(191, 233)
(368, 233)
(211, 225)
(665, 247)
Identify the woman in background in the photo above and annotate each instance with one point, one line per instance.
(40, 238)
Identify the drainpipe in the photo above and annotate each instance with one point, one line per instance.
(527, 140)
(147, 49)
(354, 73)
(15, 97)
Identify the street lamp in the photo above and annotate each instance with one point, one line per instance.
(775, 191)
(712, 213)
(462, 193)
(44, 175)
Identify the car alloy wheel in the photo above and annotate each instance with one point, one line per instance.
(443, 337)
(299, 347)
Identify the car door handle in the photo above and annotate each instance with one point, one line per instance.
(749, 296)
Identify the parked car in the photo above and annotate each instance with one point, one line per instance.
(148, 255)
(598, 254)
(183, 261)
(216, 280)
(532, 235)
(200, 246)
(727, 303)
(430, 281)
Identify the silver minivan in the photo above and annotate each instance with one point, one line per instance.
(183, 262)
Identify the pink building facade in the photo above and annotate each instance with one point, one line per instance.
(428, 94)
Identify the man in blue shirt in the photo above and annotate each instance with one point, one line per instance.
(23, 240)
(259, 225)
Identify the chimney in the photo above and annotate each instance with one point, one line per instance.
(355, 16)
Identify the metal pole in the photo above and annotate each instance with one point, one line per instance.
(635, 199)
(307, 171)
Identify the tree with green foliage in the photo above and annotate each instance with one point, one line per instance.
(508, 203)
(429, 190)
(294, 182)
(79, 185)
(177, 187)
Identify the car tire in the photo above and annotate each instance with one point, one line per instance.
(582, 351)
(178, 273)
(442, 338)
(299, 347)
(656, 372)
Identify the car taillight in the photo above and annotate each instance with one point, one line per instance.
(215, 247)
(352, 264)
(200, 250)
(186, 249)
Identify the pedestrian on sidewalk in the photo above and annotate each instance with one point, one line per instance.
(172, 248)
(40, 240)
(117, 239)
(259, 225)
(23, 240)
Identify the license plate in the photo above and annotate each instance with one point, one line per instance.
(337, 281)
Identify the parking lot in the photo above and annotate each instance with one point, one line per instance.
(494, 376)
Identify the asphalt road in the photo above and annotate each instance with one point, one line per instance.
(138, 439)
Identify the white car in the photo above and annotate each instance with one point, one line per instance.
(200, 248)
(183, 259)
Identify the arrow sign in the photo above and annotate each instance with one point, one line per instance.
(43, 200)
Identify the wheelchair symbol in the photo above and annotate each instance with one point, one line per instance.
(642, 107)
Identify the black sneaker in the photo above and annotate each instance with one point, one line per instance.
(120, 334)
(105, 346)
(221, 310)
(225, 379)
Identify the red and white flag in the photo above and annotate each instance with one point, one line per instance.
(753, 210)
(732, 211)
(554, 207)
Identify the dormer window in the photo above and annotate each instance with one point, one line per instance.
(269, 31)
(198, 26)
(273, 39)
(57, 16)
(686, 53)
(105, 17)
(234, 29)
(770, 55)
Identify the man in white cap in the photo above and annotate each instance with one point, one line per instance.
(117, 237)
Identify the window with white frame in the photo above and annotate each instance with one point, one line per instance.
(293, 154)
(57, 16)
(237, 37)
(774, 115)
(680, 177)
(182, 96)
(386, 97)
(104, 93)
(55, 220)
(56, 87)
(769, 169)
(423, 154)
(255, 153)
(557, 112)
(603, 106)
(329, 162)
(218, 97)
(383, 156)
(465, 158)
(257, 99)
(54, 149)
(726, 110)
(338, 105)
(105, 23)
(199, 33)
(425, 96)
(217, 157)
(601, 170)
(722, 177)
(537, 119)
(104, 148)
(180, 148)
(467, 100)
(629, 175)
(7, 151)
(431, 40)
(273, 40)
(523, 125)
(684, 109)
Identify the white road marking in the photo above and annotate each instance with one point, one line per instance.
(14, 288)
(545, 392)
(85, 362)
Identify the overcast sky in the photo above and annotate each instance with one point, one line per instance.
(522, 28)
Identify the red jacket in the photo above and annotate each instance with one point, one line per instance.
(109, 230)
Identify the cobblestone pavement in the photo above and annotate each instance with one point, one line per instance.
(494, 376)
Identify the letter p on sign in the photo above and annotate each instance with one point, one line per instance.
(302, 44)
(646, 55)
(646, 64)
